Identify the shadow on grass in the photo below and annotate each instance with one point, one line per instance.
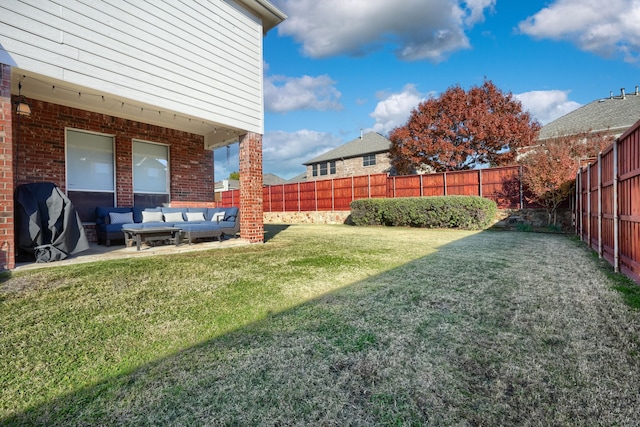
(272, 230)
(409, 346)
(4, 276)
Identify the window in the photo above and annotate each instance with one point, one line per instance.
(369, 160)
(332, 167)
(323, 168)
(150, 174)
(90, 171)
(314, 167)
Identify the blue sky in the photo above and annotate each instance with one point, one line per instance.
(335, 67)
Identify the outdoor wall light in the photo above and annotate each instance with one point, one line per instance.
(22, 107)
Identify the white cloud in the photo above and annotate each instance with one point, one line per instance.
(419, 30)
(394, 109)
(607, 30)
(283, 94)
(475, 10)
(284, 152)
(547, 105)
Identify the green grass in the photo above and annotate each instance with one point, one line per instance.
(325, 325)
(629, 290)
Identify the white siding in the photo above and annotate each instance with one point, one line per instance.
(202, 59)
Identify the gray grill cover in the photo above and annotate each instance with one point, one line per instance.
(47, 224)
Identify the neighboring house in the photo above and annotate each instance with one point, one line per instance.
(272, 179)
(368, 154)
(234, 184)
(128, 99)
(610, 116)
(302, 177)
(225, 185)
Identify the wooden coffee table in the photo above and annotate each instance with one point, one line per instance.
(151, 234)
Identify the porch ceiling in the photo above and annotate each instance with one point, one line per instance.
(55, 91)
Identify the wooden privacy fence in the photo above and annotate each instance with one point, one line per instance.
(608, 204)
(501, 184)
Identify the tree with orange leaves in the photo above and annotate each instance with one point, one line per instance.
(551, 165)
(462, 130)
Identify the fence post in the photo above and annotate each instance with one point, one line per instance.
(578, 212)
(352, 189)
(480, 182)
(616, 216)
(333, 196)
(589, 205)
(444, 175)
(284, 201)
(315, 193)
(600, 205)
(299, 207)
(521, 176)
(421, 184)
(394, 187)
(581, 206)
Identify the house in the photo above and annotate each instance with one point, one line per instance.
(225, 185)
(120, 104)
(609, 116)
(368, 154)
(301, 177)
(234, 184)
(272, 179)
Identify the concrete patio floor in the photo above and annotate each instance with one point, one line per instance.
(101, 253)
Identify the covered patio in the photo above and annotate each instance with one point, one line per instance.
(104, 253)
(122, 111)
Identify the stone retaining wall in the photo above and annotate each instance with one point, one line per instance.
(506, 218)
(335, 217)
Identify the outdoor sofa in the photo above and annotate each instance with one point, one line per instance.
(193, 222)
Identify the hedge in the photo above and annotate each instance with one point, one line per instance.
(466, 212)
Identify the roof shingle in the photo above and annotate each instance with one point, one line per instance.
(614, 115)
(370, 143)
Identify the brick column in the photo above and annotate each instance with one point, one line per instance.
(7, 240)
(251, 211)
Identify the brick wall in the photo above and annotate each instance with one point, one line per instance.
(42, 151)
(7, 249)
(251, 192)
(353, 167)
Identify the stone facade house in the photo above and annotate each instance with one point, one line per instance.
(120, 104)
(368, 154)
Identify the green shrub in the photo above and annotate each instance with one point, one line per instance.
(524, 226)
(368, 212)
(467, 212)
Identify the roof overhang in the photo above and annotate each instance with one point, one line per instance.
(270, 15)
(41, 88)
(615, 131)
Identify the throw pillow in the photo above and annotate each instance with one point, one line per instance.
(217, 217)
(148, 216)
(121, 218)
(195, 216)
(173, 217)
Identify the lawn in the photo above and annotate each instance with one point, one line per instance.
(326, 325)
